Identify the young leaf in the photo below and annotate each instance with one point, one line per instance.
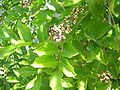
(24, 32)
(45, 61)
(56, 81)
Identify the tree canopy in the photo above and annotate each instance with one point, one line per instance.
(59, 44)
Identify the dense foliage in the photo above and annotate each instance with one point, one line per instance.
(59, 44)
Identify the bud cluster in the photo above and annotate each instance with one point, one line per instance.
(104, 77)
(75, 13)
(57, 33)
(26, 3)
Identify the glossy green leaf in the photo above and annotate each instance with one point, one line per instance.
(67, 68)
(116, 8)
(102, 86)
(56, 81)
(24, 32)
(47, 48)
(12, 79)
(37, 83)
(41, 17)
(6, 51)
(51, 7)
(96, 29)
(45, 61)
(91, 55)
(67, 82)
(68, 50)
(70, 2)
(30, 84)
(100, 57)
(97, 7)
(112, 5)
(82, 84)
(42, 33)
(27, 71)
(1, 33)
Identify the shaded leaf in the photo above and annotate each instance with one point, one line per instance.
(68, 50)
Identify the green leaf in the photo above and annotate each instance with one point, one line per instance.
(42, 33)
(82, 84)
(100, 57)
(6, 51)
(24, 32)
(51, 7)
(41, 17)
(67, 82)
(97, 7)
(67, 68)
(111, 6)
(56, 81)
(116, 8)
(96, 29)
(37, 83)
(12, 79)
(1, 33)
(102, 86)
(91, 56)
(30, 84)
(68, 50)
(27, 71)
(45, 61)
(47, 48)
(70, 2)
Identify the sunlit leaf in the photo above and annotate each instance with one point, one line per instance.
(91, 56)
(30, 84)
(24, 32)
(45, 61)
(67, 68)
(6, 51)
(82, 84)
(42, 33)
(37, 83)
(27, 71)
(47, 48)
(56, 81)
